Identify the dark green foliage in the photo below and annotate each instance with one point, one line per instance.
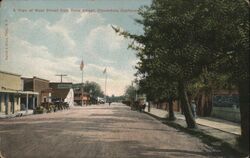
(93, 88)
(130, 93)
(189, 44)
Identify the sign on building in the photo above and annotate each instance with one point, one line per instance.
(64, 86)
(226, 101)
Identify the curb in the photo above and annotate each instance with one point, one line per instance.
(160, 118)
(154, 116)
(15, 115)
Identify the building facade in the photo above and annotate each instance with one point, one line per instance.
(40, 86)
(225, 105)
(11, 92)
(10, 84)
(59, 90)
(81, 98)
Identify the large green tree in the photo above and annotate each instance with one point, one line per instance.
(228, 33)
(93, 88)
(182, 38)
(130, 93)
(155, 92)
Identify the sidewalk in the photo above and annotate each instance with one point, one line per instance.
(19, 113)
(223, 125)
(226, 131)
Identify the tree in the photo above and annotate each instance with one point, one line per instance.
(155, 91)
(167, 39)
(130, 93)
(183, 38)
(114, 98)
(93, 88)
(229, 38)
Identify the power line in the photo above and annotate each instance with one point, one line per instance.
(61, 75)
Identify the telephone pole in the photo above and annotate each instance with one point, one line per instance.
(81, 68)
(61, 75)
(106, 87)
(106, 76)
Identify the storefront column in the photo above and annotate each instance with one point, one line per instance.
(6, 103)
(19, 102)
(50, 97)
(38, 100)
(33, 101)
(12, 104)
(27, 103)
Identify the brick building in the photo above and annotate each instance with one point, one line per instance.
(40, 86)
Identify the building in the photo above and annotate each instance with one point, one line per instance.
(80, 97)
(225, 105)
(59, 90)
(164, 105)
(11, 92)
(40, 86)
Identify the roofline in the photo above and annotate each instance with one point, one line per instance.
(34, 77)
(10, 73)
(60, 82)
(40, 78)
(26, 78)
(18, 92)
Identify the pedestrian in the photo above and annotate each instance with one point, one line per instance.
(143, 107)
(109, 103)
(193, 108)
(148, 105)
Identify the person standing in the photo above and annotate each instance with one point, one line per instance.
(193, 108)
(148, 105)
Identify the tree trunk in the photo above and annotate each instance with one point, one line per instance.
(244, 111)
(185, 106)
(203, 102)
(208, 104)
(171, 116)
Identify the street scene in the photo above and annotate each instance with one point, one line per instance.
(98, 131)
(124, 79)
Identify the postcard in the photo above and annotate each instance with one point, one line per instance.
(122, 78)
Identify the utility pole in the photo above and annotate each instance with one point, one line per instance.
(106, 76)
(81, 68)
(106, 87)
(61, 75)
(82, 87)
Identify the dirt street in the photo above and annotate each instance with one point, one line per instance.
(97, 131)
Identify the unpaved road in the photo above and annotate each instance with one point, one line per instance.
(97, 132)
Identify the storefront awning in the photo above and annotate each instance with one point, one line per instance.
(18, 92)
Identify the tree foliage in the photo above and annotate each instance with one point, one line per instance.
(130, 93)
(188, 43)
(93, 88)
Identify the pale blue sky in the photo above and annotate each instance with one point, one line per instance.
(44, 43)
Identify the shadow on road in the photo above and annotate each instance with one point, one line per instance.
(117, 133)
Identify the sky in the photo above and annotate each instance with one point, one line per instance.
(47, 37)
